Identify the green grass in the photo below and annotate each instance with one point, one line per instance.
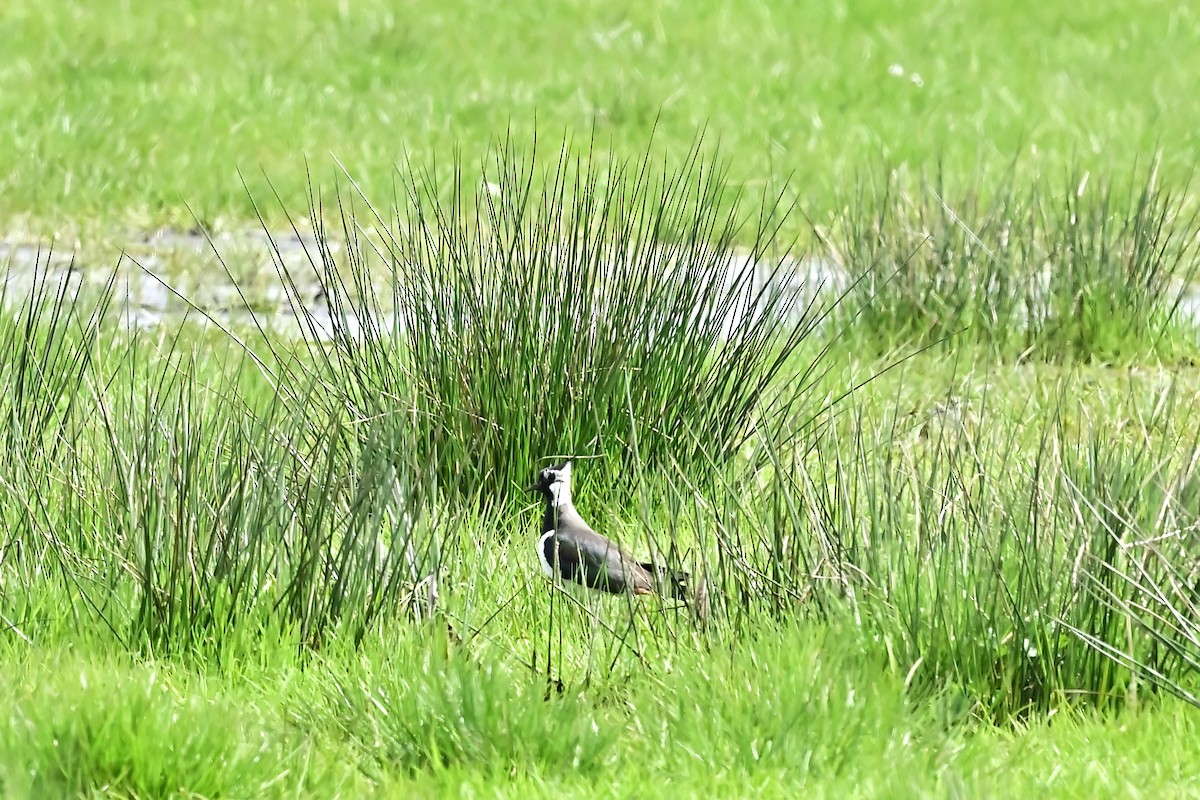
(948, 534)
(918, 575)
(206, 587)
(115, 119)
(795, 710)
(1028, 269)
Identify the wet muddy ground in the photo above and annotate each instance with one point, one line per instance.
(234, 279)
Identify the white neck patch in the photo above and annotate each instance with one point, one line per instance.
(560, 492)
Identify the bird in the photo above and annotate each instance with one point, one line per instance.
(568, 547)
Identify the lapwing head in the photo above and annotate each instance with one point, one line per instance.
(554, 483)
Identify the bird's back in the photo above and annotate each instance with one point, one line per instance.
(602, 562)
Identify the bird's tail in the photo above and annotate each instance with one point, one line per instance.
(673, 583)
(679, 585)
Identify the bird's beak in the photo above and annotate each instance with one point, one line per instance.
(531, 488)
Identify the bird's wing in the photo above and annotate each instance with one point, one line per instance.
(586, 557)
(606, 566)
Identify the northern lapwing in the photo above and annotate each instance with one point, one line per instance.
(584, 556)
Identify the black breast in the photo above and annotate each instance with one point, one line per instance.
(564, 558)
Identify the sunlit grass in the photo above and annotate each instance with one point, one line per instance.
(117, 119)
(1028, 269)
(910, 553)
(948, 533)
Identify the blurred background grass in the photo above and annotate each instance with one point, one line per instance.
(118, 113)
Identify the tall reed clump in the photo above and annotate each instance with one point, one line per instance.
(592, 307)
(1088, 273)
(183, 498)
(1146, 578)
(997, 560)
(179, 497)
(49, 347)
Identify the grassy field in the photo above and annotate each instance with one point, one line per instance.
(115, 117)
(947, 514)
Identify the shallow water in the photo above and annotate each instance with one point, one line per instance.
(233, 280)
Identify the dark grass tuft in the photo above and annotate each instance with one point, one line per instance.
(1025, 269)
